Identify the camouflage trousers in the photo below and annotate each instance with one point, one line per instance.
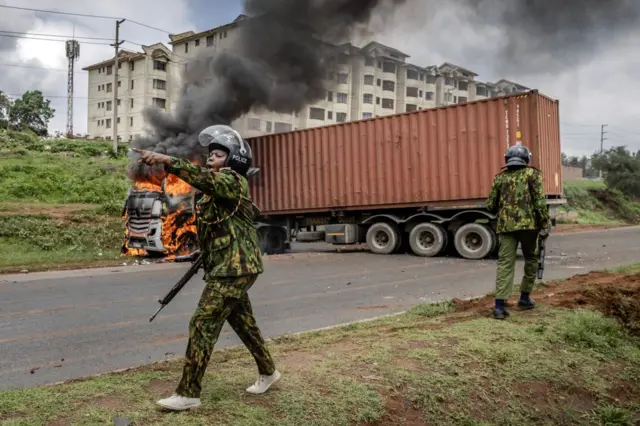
(507, 262)
(223, 299)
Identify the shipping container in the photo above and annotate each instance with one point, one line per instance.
(443, 156)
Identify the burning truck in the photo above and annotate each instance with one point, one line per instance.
(160, 218)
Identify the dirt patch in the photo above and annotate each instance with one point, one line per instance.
(399, 411)
(109, 403)
(615, 295)
(162, 388)
(577, 227)
(57, 211)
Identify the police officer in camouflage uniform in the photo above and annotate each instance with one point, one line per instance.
(518, 199)
(232, 260)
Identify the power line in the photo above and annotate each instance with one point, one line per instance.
(84, 15)
(48, 39)
(55, 35)
(38, 68)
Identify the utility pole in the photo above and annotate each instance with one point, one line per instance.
(116, 45)
(602, 139)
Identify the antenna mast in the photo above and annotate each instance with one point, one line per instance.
(73, 53)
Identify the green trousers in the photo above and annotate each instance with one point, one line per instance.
(507, 262)
(223, 299)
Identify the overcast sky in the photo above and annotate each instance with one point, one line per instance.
(598, 86)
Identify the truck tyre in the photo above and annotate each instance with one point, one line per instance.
(383, 238)
(312, 236)
(427, 239)
(271, 240)
(474, 241)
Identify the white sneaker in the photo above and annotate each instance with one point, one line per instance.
(179, 403)
(264, 383)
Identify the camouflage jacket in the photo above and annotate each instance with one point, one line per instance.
(228, 239)
(517, 198)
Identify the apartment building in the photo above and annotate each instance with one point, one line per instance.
(144, 78)
(368, 81)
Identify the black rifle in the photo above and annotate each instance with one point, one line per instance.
(542, 249)
(197, 263)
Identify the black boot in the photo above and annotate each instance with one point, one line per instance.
(500, 312)
(525, 302)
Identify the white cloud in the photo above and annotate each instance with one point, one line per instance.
(168, 15)
(601, 89)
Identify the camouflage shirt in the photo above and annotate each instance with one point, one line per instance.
(228, 240)
(517, 198)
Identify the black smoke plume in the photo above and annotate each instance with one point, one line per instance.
(549, 35)
(278, 62)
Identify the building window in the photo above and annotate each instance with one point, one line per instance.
(108, 125)
(412, 92)
(481, 91)
(160, 65)
(99, 88)
(368, 80)
(197, 42)
(431, 79)
(119, 83)
(282, 127)
(449, 81)
(316, 113)
(367, 98)
(342, 98)
(463, 85)
(119, 102)
(377, 101)
(366, 115)
(269, 127)
(329, 96)
(118, 120)
(387, 103)
(254, 124)
(210, 40)
(412, 75)
(159, 84)
(369, 61)
(109, 105)
(329, 115)
(389, 67)
(131, 121)
(411, 107)
(132, 66)
(186, 47)
(341, 117)
(428, 96)
(343, 78)
(389, 86)
(109, 69)
(160, 102)
(462, 99)
(131, 103)
(109, 87)
(132, 81)
(379, 82)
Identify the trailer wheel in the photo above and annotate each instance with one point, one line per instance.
(271, 240)
(474, 241)
(383, 238)
(427, 239)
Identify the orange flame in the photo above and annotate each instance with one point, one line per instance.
(178, 227)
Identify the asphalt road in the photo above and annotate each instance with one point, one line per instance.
(63, 325)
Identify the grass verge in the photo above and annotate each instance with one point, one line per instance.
(574, 360)
(592, 203)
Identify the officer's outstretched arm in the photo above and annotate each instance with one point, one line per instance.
(217, 185)
(536, 188)
(493, 202)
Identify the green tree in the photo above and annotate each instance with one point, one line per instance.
(621, 169)
(5, 103)
(31, 111)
